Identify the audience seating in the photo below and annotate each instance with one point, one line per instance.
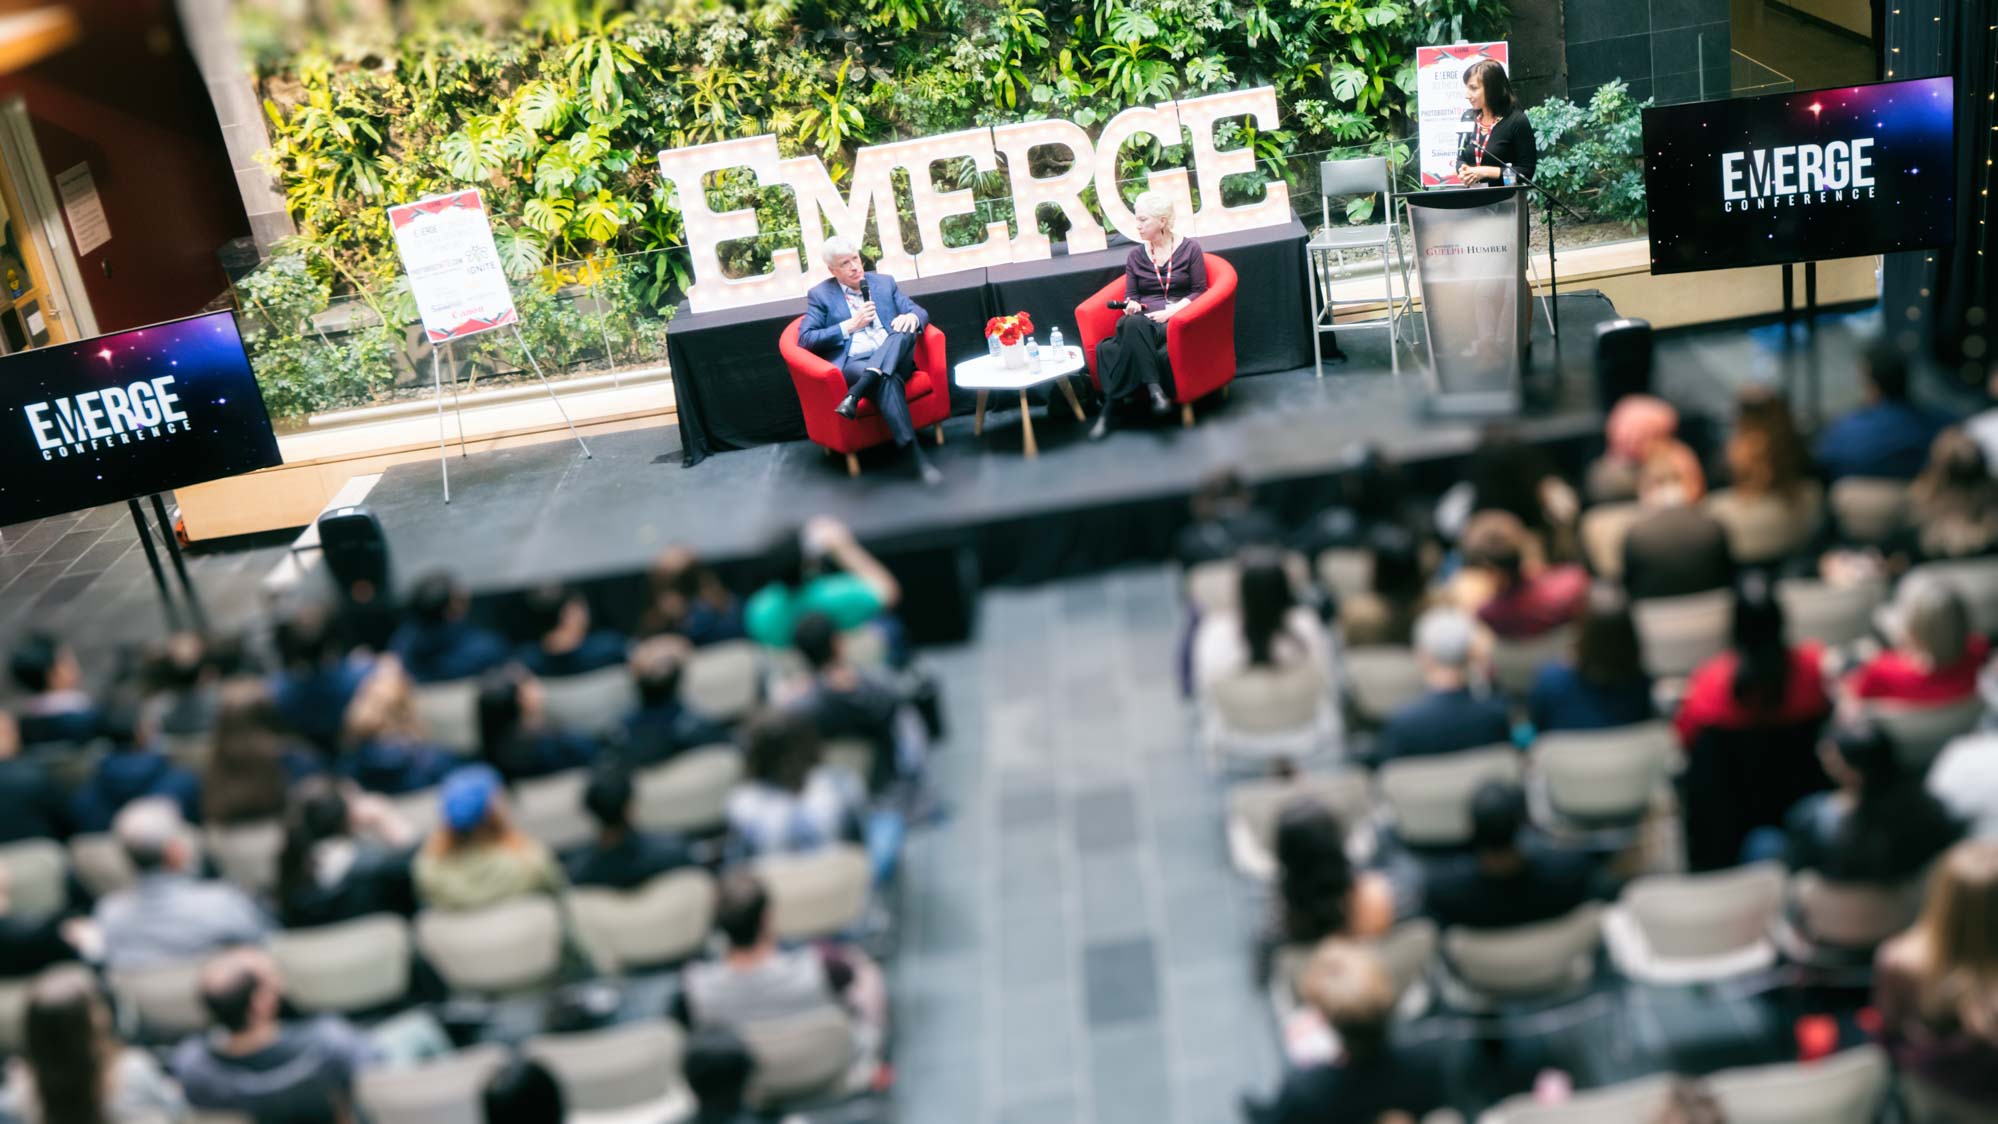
(1836, 923)
(1254, 806)
(165, 998)
(1515, 663)
(248, 854)
(419, 810)
(1588, 779)
(1407, 950)
(662, 922)
(1695, 928)
(1846, 1088)
(688, 793)
(1200, 338)
(189, 751)
(1976, 581)
(1430, 797)
(1767, 528)
(1552, 960)
(450, 714)
(821, 387)
(513, 946)
(1919, 731)
(1832, 615)
(1631, 1102)
(802, 1057)
(1214, 587)
(723, 681)
(1869, 511)
(37, 877)
(550, 809)
(595, 702)
(1603, 529)
(14, 1011)
(1260, 714)
(816, 894)
(358, 965)
(856, 755)
(628, 1066)
(100, 863)
(1347, 573)
(1679, 634)
(1382, 680)
(444, 1091)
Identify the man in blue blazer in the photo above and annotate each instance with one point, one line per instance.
(844, 322)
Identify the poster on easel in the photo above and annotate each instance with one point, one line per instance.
(1444, 119)
(446, 246)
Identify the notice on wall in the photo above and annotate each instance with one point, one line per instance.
(1443, 117)
(84, 209)
(454, 269)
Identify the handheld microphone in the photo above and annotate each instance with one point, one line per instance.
(863, 290)
(1118, 305)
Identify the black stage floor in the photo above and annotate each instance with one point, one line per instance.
(525, 516)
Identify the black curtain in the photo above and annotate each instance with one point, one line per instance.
(1941, 299)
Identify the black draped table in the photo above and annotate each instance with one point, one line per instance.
(732, 390)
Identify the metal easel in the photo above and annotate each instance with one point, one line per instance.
(437, 380)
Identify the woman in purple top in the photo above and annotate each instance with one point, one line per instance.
(1161, 277)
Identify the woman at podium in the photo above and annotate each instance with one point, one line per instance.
(1500, 134)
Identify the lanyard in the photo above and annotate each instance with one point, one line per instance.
(1164, 280)
(1483, 139)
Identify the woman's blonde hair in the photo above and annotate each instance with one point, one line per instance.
(1955, 501)
(1155, 205)
(1932, 619)
(1958, 935)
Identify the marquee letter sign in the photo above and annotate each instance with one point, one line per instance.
(872, 192)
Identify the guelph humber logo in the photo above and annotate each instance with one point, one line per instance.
(115, 415)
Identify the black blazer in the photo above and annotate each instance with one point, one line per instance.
(1511, 143)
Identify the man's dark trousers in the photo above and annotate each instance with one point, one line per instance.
(897, 358)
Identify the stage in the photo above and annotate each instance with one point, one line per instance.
(525, 516)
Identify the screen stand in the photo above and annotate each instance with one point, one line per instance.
(1817, 400)
(167, 602)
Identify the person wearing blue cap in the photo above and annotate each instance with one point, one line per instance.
(477, 857)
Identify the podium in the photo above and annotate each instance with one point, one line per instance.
(1470, 249)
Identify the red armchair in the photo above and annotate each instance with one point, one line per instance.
(821, 387)
(1200, 338)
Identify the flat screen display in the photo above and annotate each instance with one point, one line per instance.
(102, 420)
(1801, 177)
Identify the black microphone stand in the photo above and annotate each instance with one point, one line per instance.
(1553, 287)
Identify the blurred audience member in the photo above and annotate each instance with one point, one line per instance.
(317, 682)
(755, 980)
(791, 799)
(170, 916)
(1675, 548)
(1604, 685)
(1887, 437)
(822, 569)
(1505, 881)
(258, 1065)
(523, 1092)
(30, 944)
(1267, 629)
(183, 686)
(515, 735)
(386, 750)
(1373, 1078)
(1508, 474)
(438, 642)
(1936, 985)
(345, 856)
(477, 857)
(76, 1070)
(1386, 614)
(558, 619)
(1879, 825)
(1965, 778)
(1449, 716)
(1765, 455)
(135, 767)
(1760, 682)
(1937, 653)
(1225, 519)
(1689, 1102)
(58, 710)
(717, 1066)
(663, 726)
(621, 857)
(1319, 894)
(1636, 423)
(1953, 504)
(32, 805)
(251, 765)
(1520, 596)
(1983, 428)
(845, 702)
(688, 600)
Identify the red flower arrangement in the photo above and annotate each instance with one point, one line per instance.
(1010, 329)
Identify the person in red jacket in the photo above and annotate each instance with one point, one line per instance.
(1760, 681)
(1936, 654)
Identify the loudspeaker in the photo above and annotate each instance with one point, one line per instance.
(356, 552)
(1623, 360)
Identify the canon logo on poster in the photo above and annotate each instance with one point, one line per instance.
(111, 416)
(1805, 172)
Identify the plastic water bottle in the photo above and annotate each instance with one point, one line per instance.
(1054, 344)
(1033, 352)
(992, 345)
(1506, 176)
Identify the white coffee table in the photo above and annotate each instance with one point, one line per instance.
(988, 373)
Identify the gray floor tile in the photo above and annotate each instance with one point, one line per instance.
(1105, 819)
(1059, 1108)
(1120, 981)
